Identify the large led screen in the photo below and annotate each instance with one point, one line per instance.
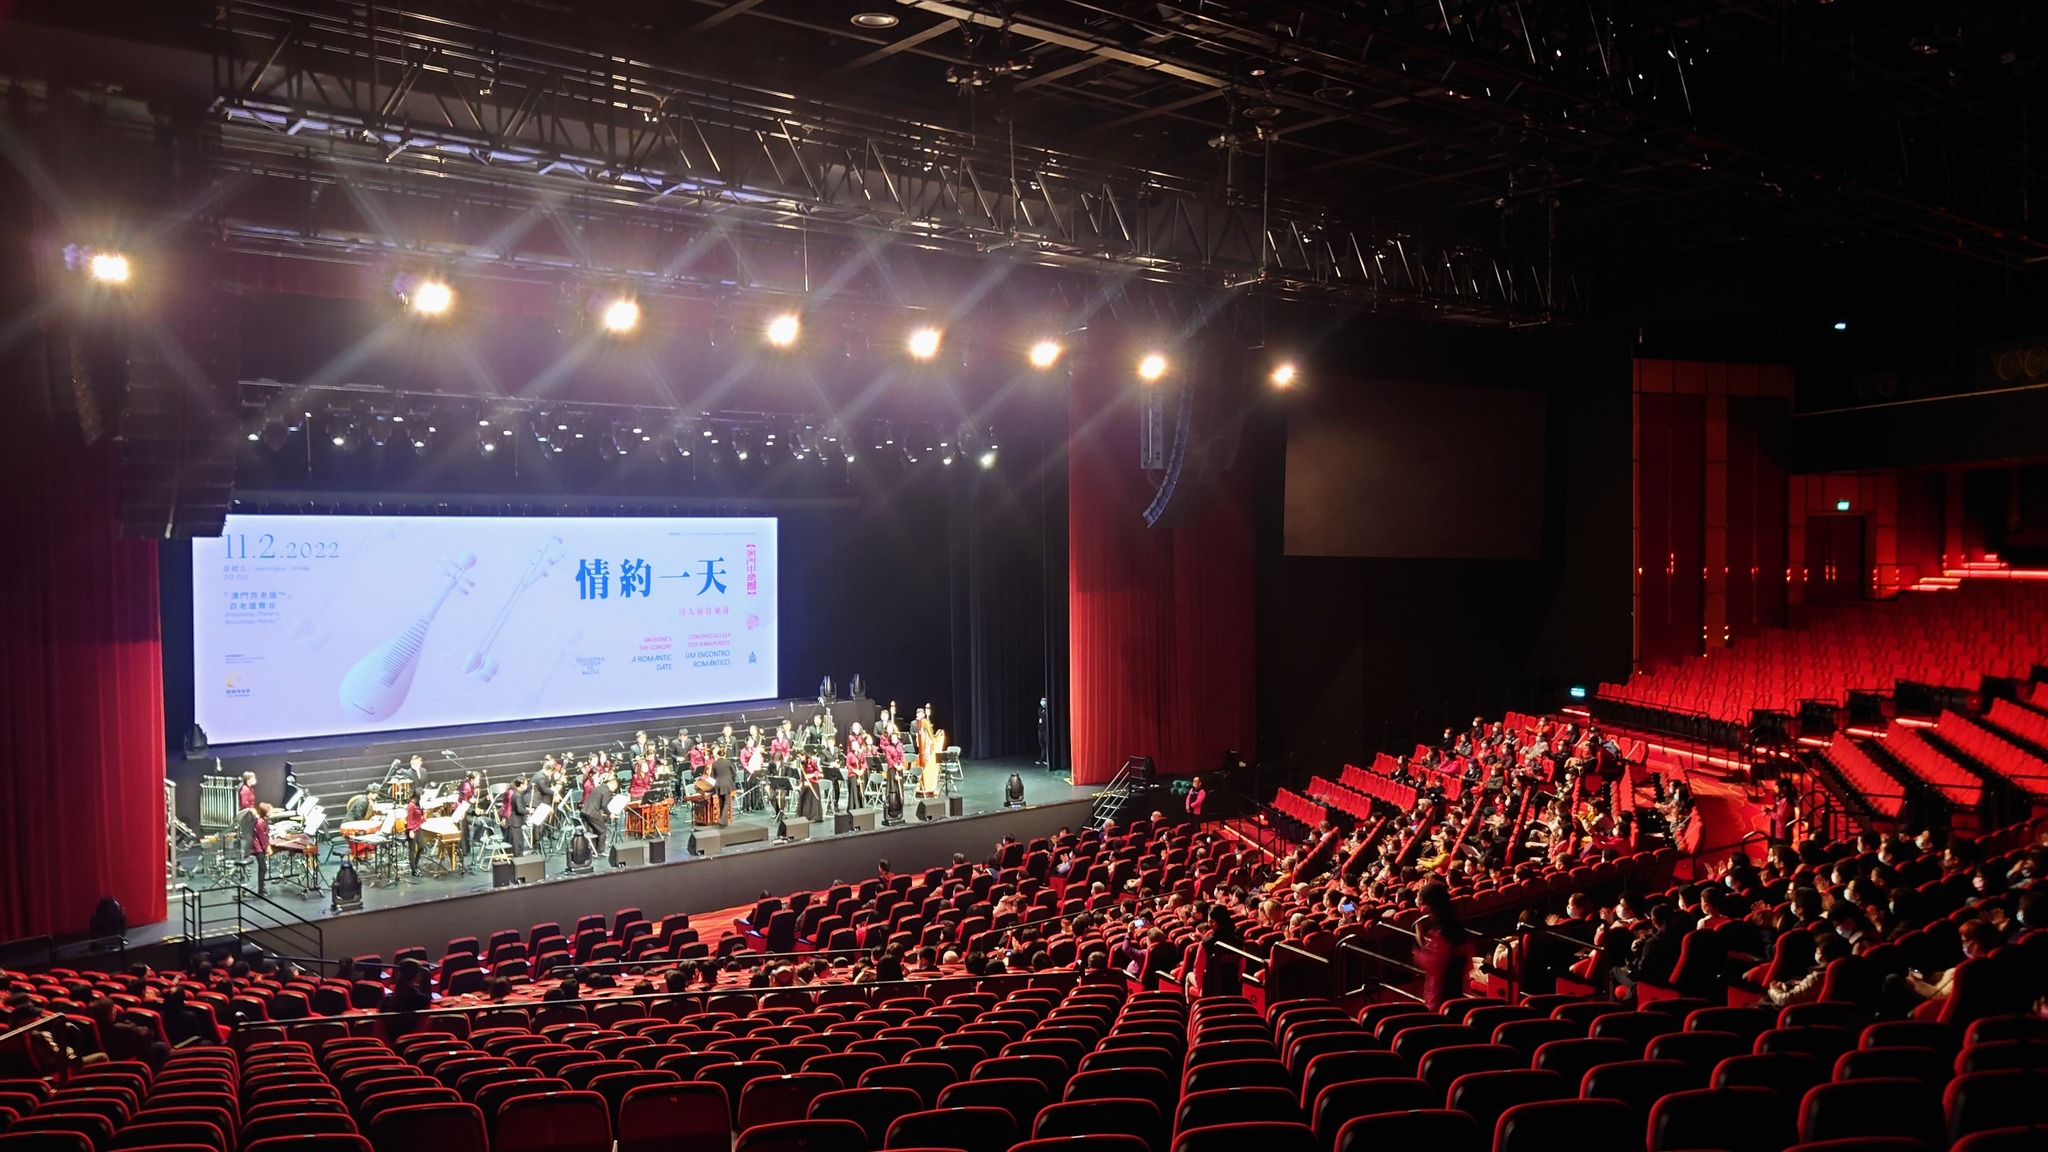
(323, 625)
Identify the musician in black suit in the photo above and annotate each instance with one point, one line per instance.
(722, 777)
(597, 817)
(512, 810)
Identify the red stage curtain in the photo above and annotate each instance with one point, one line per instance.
(81, 693)
(1160, 623)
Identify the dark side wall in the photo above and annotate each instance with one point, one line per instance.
(1361, 654)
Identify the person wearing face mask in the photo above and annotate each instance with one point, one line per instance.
(1978, 939)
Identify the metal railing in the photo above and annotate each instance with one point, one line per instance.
(879, 991)
(240, 914)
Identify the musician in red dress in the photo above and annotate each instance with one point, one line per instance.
(245, 796)
(643, 777)
(414, 834)
(256, 834)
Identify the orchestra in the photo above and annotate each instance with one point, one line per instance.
(800, 766)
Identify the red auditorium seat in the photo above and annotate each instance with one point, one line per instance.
(1246, 1134)
(968, 1129)
(927, 1080)
(1582, 1125)
(1729, 1119)
(660, 1118)
(1981, 1101)
(1129, 1117)
(1441, 1067)
(1485, 1096)
(803, 1136)
(574, 1121)
(430, 1128)
(1339, 1102)
(1084, 1142)
(781, 1098)
(871, 1108)
(1881, 1106)
(1435, 1129)
(1217, 1106)
(1021, 1097)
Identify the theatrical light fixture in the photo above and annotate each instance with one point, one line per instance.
(109, 267)
(784, 329)
(1045, 354)
(875, 21)
(379, 429)
(486, 444)
(342, 432)
(429, 297)
(988, 457)
(924, 343)
(620, 315)
(1283, 375)
(1152, 368)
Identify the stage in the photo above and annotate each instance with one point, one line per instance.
(437, 905)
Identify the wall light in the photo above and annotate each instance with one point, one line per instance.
(1283, 375)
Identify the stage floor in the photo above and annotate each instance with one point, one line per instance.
(981, 789)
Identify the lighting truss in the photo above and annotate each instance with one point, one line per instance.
(307, 89)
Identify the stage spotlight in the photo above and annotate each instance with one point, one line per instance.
(946, 452)
(784, 329)
(719, 331)
(622, 437)
(109, 268)
(1045, 354)
(343, 433)
(924, 343)
(275, 434)
(988, 457)
(621, 315)
(1152, 368)
(1283, 375)
(430, 298)
(379, 429)
(742, 445)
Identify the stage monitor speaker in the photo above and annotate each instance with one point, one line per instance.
(735, 835)
(528, 869)
(708, 841)
(630, 854)
(864, 819)
(956, 805)
(798, 828)
(657, 851)
(842, 823)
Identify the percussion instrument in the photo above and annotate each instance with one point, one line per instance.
(447, 834)
(649, 821)
(701, 810)
(360, 835)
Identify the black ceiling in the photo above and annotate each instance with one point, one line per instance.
(1654, 126)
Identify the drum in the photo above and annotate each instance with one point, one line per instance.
(359, 835)
(701, 810)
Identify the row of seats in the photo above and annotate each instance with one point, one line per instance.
(1988, 628)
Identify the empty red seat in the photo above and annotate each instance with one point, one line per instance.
(873, 1108)
(660, 1118)
(1129, 1117)
(1879, 1106)
(803, 1136)
(968, 1129)
(573, 1121)
(1729, 1119)
(1582, 1125)
(1246, 1134)
(1436, 1129)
